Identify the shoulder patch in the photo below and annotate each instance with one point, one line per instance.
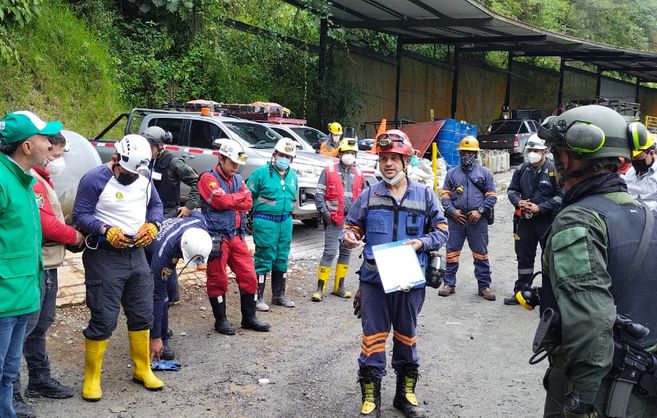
(119, 195)
(570, 253)
(40, 200)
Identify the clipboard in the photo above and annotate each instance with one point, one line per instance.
(398, 266)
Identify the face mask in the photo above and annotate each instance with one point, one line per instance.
(641, 166)
(336, 138)
(348, 159)
(282, 163)
(125, 178)
(534, 157)
(56, 166)
(468, 160)
(395, 179)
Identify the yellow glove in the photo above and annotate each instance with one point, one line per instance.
(116, 238)
(145, 235)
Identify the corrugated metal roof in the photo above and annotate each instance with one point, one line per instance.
(472, 27)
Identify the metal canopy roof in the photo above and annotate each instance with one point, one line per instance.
(471, 27)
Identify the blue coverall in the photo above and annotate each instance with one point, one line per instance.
(378, 218)
(460, 193)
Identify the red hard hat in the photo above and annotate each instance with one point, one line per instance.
(394, 141)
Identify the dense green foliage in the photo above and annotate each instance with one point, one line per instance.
(60, 71)
(116, 54)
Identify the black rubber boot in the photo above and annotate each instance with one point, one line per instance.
(278, 279)
(260, 303)
(249, 320)
(221, 324)
(22, 409)
(370, 388)
(405, 399)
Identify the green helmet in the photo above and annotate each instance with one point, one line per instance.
(593, 132)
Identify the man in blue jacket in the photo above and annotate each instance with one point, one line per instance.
(185, 238)
(468, 198)
(394, 209)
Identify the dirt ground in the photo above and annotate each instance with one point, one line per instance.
(473, 353)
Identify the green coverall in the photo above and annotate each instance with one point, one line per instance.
(576, 262)
(273, 195)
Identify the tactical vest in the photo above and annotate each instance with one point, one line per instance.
(387, 221)
(52, 251)
(222, 222)
(633, 296)
(335, 192)
(168, 190)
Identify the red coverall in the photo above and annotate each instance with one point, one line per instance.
(234, 251)
(52, 228)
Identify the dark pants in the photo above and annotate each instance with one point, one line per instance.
(378, 312)
(477, 236)
(34, 348)
(556, 384)
(161, 306)
(115, 278)
(528, 236)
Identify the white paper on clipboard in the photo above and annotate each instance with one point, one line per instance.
(398, 266)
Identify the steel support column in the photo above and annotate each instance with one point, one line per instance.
(507, 95)
(400, 49)
(323, 52)
(562, 70)
(638, 90)
(455, 81)
(598, 82)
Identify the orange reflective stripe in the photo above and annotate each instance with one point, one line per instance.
(410, 341)
(378, 348)
(453, 257)
(375, 337)
(490, 194)
(442, 227)
(480, 256)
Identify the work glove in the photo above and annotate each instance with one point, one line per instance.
(145, 235)
(357, 303)
(117, 238)
(327, 218)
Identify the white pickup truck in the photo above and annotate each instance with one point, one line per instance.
(193, 135)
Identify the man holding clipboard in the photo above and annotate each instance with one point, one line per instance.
(395, 209)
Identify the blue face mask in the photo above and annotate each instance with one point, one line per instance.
(282, 163)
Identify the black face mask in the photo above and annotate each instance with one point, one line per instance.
(641, 166)
(125, 178)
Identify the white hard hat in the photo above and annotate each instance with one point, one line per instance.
(534, 142)
(286, 146)
(134, 153)
(196, 245)
(232, 149)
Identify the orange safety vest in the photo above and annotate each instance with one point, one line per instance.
(335, 191)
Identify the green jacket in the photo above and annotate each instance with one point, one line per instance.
(21, 265)
(575, 258)
(272, 193)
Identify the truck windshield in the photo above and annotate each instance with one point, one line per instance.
(504, 127)
(257, 135)
(311, 135)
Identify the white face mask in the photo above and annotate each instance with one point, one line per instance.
(348, 159)
(395, 179)
(336, 138)
(56, 166)
(534, 157)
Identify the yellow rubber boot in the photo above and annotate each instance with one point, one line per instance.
(323, 275)
(93, 363)
(141, 358)
(338, 284)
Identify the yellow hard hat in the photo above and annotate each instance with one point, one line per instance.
(348, 144)
(335, 128)
(649, 143)
(469, 143)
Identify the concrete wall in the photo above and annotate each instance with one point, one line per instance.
(481, 89)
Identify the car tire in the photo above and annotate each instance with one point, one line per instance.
(312, 222)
